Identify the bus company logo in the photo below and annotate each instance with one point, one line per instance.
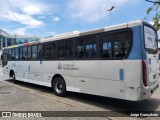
(6, 114)
(67, 67)
(59, 66)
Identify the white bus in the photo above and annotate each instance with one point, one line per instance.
(120, 61)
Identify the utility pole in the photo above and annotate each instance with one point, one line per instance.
(110, 10)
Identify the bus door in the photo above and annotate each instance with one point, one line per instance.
(25, 63)
(35, 67)
(150, 37)
(5, 58)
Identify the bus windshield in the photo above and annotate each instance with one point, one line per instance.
(151, 40)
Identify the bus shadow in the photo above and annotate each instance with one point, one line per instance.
(116, 104)
(120, 107)
(106, 103)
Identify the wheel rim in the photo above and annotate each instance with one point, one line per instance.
(59, 87)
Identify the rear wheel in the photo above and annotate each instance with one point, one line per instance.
(59, 86)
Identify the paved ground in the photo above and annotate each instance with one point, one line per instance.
(29, 97)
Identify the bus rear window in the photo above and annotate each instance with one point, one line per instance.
(151, 39)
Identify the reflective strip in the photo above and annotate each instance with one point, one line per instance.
(29, 68)
(121, 74)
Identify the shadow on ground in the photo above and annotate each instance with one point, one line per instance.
(103, 102)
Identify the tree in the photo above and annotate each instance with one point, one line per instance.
(156, 9)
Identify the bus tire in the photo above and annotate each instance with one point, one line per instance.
(59, 86)
(14, 78)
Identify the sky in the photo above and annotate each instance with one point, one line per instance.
(50, 17)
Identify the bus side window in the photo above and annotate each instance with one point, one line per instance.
(122, 44)
(69, 49)
(91, 48)
(49, 51)
(106, 45)
(106, 53)
(34, 52)
(29, 55)
(80, 48)
(61, 50)
(21, 53)
(16, 54)
(53, 52)
(40, 52)
(12, 56)
(46, 51)
(118, 50)
(24, 53)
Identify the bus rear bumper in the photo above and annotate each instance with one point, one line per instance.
(146, 92)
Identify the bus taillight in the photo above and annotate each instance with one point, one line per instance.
(144, 68)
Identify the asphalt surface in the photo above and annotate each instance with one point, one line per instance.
(29, 97)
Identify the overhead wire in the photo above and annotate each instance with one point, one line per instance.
(12, 10)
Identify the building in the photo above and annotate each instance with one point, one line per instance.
(7, 39)
(3, 38)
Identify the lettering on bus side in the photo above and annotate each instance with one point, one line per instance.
(67, 67)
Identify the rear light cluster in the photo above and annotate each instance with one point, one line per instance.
(144, 68)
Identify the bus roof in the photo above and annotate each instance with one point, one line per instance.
(78, 33)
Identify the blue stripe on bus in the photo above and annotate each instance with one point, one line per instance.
(138, 50)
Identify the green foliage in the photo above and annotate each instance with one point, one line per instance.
(156, 10)
(156, 21)
(149, 10)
